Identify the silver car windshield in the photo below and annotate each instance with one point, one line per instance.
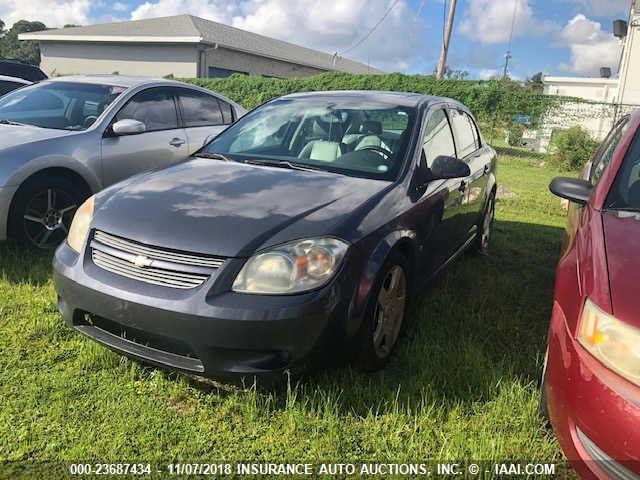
(58, 105)
(342, 135)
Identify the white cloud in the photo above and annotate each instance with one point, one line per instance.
(489, 21)
(603, 8)
(53, 13)
(591, 47)
(487, 73)
(326, 26)
(120, 7)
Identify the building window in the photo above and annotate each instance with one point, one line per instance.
(216, 72)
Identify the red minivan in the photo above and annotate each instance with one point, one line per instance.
(591, 379)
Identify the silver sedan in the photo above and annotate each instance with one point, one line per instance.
(63, 139)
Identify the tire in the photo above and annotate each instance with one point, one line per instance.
(481, 244)
(375, 343)
(42, 211)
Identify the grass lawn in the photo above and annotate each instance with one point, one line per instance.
(463, 383)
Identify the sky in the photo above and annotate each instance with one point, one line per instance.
(555, 37)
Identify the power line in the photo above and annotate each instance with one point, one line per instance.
(373, 29)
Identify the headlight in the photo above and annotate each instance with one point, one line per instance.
(292, 268)
(80, 225)
(612, 341)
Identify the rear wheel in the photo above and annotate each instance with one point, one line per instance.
(42, 211)
(485, 226)
(385, 315)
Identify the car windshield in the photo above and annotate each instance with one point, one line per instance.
(343, 135)
(58, 105)
(625, 192)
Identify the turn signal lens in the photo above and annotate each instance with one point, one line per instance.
(613, 342)
(80, 225)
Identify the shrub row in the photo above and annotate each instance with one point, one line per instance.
(489, 101)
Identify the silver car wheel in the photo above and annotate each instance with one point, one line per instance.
(389, 311)
(48, 216)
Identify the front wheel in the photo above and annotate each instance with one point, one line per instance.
(42, 211)
(385, 315)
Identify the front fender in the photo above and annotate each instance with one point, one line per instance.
(23, 172)
(371, 268)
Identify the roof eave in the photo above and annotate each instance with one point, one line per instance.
(107, 38)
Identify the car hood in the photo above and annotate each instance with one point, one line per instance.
(622, 238)
(229, 209)
(15, 135)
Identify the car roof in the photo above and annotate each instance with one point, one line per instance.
(127, 81)
(7, 78)
(405, 99)
(26, 71)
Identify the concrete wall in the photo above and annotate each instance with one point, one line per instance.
(66, 58)
(251, 64)
(596, 89)
(630, 65)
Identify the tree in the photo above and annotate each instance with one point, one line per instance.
(27, 51)
(452, 74)
(534, 83)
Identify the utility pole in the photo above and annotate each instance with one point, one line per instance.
(442, 63)
(507, 57)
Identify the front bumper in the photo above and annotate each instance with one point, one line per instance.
(207, 331)
(6, 195)
(594, 412)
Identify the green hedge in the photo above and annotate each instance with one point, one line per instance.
(489, 101)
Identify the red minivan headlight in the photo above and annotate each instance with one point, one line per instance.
(613, 342)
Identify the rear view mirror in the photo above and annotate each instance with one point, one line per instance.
(573, 189)
(128, 127)
(445, 167)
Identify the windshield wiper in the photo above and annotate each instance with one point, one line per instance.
(213, 155)
(283, 164)
(4, 121)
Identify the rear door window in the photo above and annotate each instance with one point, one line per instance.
(154, 107)
(199, 109)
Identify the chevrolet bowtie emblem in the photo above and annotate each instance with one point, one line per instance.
(142, 261)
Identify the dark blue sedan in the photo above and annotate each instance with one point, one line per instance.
(294, 238)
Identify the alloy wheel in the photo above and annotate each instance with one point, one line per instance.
(47, 217)
(389, 311)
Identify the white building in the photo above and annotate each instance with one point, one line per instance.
(183, 46)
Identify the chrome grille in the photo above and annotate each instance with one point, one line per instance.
(151, 264)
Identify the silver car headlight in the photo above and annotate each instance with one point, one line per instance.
(80, 225)
(292, 267)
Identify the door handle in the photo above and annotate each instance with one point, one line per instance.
(176, 142)
(463, 186)
(487, 169)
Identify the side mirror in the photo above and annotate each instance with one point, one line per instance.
(128, 127)
(573, 189)
(445, 167)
